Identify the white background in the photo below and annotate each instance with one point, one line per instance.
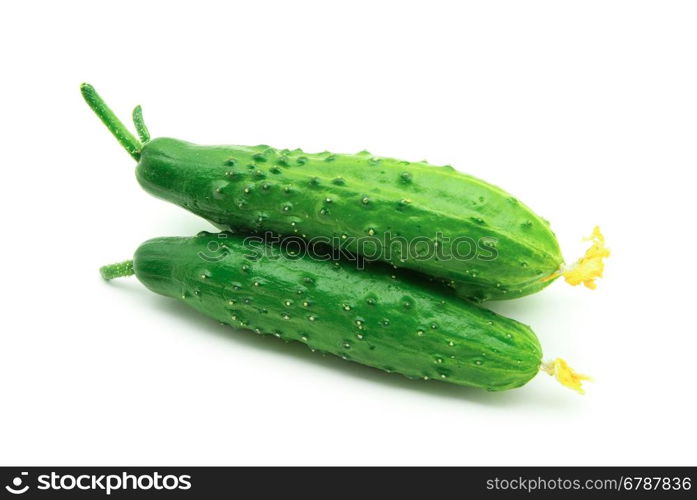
(587, 111)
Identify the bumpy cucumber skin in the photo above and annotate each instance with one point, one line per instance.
(371, 316)
(361, 196)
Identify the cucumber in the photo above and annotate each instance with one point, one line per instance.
(375, 316)
(360, 200)
(372, 316)
(469, 234)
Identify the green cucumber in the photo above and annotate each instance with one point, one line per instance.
(371, 316)
(473, 236)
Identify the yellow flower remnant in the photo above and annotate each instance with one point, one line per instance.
(589, 267)
(565, 374)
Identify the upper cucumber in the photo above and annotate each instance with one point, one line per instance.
(441, 212)
(373, 316)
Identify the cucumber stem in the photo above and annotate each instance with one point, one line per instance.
(138, 121)
(118, 270)
(115, 126)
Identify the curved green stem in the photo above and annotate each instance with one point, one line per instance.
(115, 126)
(119, 270)
(142, 130)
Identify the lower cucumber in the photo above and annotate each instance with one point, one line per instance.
(376, 316)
